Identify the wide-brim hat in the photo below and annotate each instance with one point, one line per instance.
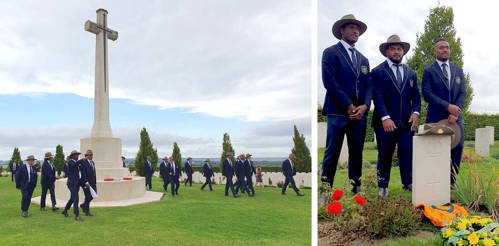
(75, 152)
(347, 19)
(456, 137)
(189, 158)
(48, 155)
(30, 157)
(248, 155)
(394, 39)
(207, 160)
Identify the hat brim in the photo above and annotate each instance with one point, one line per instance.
(383, 46)
(338, 24)
(456, 138)
(34, 159)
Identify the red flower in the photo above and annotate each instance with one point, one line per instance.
(360, 200)
(334, 208)
(318, 172)
(337, 194)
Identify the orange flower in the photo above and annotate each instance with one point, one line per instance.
(337, 194)
(360, 200)
(334, 208)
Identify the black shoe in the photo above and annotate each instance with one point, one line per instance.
(226, 194)
(88, 214)
(356, 189)
(408, 187)
(202, 188)
(236, 195)
(42, 209)
(25, 214)
(299, 194)
(54, 208)
(283, 193)
(78, 218)
(65, 213)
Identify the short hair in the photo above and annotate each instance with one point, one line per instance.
(438, 40)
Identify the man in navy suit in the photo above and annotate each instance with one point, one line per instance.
(170, 170)
(397, 103)
(249, 170)
(444, 89)
(176, 175)
(73, 182)
(240, 174)
(228, 172)
(207, 173)
(26, 178)
(88, 180)
(14, 167)
(289, 170)
(164, 174)
(345, 75)
(48, 179)
(148, 171)
(188, 171)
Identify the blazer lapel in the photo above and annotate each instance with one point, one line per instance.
(441, 74)
(389, 71)
(346, 57)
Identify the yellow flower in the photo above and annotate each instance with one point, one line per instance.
(461, 225)
(483, 235)
(488, 242)
(460, 242)
(485, 221)
(473, 238)
(448, 233)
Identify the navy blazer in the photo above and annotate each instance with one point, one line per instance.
(23, 182)
(437, 93)
(227, 169)
(249, 169)
(87, 174)
(48, 173)
(178, 172)
(73, 173)
(207, 170)
(188, 168)
(146, 169)
(287, 169)
(390, 100)
(162, 170)
(16, 167)
(239, 169)
(344, 84)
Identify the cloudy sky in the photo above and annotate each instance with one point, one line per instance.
(188, 71)
(473, 21)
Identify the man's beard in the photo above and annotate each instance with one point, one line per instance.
(396, 61)
(443, 59)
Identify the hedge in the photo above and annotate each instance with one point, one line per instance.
(471, 122)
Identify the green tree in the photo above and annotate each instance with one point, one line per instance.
(303, 161)
(59, 159)
(440, 23)
(146, 149)
(226, 147)
(176, 156)
(16, 157)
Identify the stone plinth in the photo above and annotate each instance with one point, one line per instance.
(344, 152)
(431, 169)
(482, 142)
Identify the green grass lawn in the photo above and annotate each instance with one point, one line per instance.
(484, 168)
(195, 217)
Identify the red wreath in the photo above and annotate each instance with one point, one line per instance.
(127, 178)
(108, 179)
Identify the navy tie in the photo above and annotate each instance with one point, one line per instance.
(354, 58)
(398, 75)
(446, 75)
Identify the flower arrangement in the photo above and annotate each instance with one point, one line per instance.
(334, 206)
(471, 230)
(108, 179)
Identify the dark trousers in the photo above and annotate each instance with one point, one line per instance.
(337, 127)
(287, 181)
(386, 147)
(176, 181)
(13, 176)
(241, 184)
(88, 198)
(189, 179)
(229, 184)
(149, 181)
(166, 181)
(26, 195)
(249, 184)
(173, 184)
(456, 154)
(207, 182)
(73, 199)
(49, 187)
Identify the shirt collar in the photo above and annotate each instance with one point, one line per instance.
(346, 45)
(390, 63)
(441, 62)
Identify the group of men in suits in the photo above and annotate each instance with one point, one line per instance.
(244, 170)
(80, 173)
(393, 87)
(170, 173)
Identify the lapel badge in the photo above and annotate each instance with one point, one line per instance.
(411, 83)
(458, 80)
(363, 69)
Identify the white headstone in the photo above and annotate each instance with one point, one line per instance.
(482, 142)
(322, 134)
(491, 134)
(431, 169)
(344, 152)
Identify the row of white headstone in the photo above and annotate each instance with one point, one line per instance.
(268, 178)
(484, 138)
